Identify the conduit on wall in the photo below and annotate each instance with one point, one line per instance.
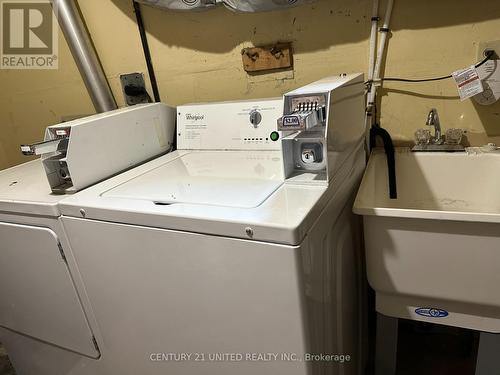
(375, 65)
(376, 58)
(146, 50)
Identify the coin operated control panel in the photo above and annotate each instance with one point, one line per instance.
(231, 125)
(82, 152)
(320, 124)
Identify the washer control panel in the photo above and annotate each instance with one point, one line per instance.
(238, 125)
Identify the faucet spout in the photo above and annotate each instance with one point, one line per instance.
(433, 120)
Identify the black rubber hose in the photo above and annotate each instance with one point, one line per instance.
(390, 155)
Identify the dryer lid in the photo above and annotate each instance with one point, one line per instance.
(215, 178)
(24, 189)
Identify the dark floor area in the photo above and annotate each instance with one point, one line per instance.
(5, 365)
(435, 350)
(422, 349)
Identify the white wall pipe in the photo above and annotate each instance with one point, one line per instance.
(383, 40)
(373, 40)
(372, 94)
(371, 64)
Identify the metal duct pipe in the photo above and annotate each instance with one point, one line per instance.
(84, 53)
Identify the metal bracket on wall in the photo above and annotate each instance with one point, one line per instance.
(134, 89)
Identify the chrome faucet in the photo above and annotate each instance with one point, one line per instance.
(433, 120)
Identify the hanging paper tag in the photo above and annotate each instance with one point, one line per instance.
(468, 82)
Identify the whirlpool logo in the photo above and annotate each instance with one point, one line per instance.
(194, 117)
(430, 312)
(28, 35)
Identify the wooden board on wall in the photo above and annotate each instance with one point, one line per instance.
(259, 59)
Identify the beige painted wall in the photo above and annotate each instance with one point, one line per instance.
(197, 58)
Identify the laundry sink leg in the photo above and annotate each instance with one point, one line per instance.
(386, 345)
(488, 355)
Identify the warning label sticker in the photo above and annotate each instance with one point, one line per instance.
(468, 82)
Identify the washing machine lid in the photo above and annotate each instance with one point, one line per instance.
(24, 189)
(213, 178)
(283, 216)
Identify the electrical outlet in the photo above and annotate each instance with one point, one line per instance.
(483, 47)
(134, 88)
(489, 73)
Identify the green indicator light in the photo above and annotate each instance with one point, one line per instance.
(274, 136)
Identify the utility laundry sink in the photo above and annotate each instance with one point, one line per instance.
(433, 254)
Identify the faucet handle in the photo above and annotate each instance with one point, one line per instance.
(454, 136)
(422, 137)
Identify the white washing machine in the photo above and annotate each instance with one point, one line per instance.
(42, 299)
(236, 254)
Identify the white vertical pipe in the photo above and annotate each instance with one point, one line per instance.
(373, 40)
(380, 55)
(383, 40)
(371, 65)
